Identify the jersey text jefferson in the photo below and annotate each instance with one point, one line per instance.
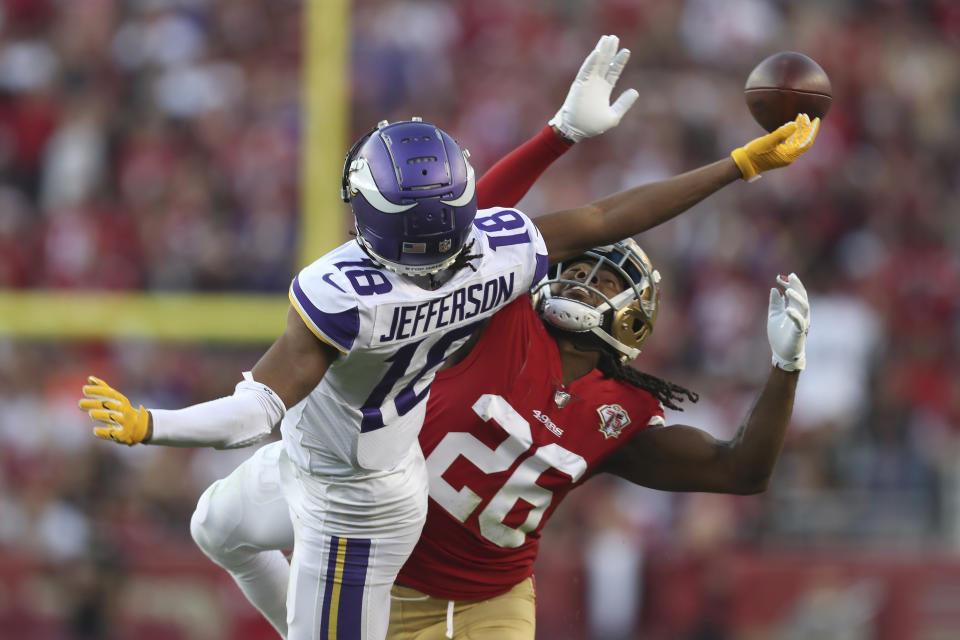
(409, 321)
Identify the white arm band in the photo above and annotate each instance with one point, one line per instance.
(239, 420)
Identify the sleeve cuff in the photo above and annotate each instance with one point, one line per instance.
(553, 142)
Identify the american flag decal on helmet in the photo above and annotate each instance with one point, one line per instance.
(613, 420)
(414, 247)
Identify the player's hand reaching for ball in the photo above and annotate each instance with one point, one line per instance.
(107, 406)
(788, 321)
(587, 111)
(777, 149)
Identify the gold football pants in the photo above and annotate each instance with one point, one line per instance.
(415, 616)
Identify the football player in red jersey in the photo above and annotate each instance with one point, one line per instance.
(541, 403)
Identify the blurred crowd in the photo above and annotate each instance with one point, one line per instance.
(154, 145)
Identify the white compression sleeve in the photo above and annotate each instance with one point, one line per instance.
(248, 415)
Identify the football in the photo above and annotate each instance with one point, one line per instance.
(784, 85)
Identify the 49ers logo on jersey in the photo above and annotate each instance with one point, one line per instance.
(613, 419)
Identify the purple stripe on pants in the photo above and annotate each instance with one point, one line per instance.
(328, 588)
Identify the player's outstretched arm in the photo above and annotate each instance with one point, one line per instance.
(286, 373)
(507, 181)
(684, 458)
(586, 112)
(569, 233)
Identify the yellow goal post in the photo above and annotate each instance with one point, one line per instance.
(224, 317)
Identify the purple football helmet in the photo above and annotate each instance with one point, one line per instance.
(413, 193)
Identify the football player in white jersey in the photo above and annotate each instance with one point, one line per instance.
(368, 327)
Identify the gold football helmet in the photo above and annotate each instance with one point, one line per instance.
(580, 303)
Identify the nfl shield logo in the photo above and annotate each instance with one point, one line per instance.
(613, 419)
(445, 245)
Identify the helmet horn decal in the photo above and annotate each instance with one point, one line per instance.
(361, 180)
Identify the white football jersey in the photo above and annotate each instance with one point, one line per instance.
(393, 336)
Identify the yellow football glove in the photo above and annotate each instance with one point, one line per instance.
(107, 405)
(777, 149)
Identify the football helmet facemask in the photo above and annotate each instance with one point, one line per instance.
(413, 194)
(622, 321)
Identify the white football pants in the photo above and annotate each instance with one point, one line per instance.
(349, 540)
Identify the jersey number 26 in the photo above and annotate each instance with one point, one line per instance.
(522, 483)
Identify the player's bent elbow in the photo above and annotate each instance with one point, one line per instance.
(744, 479)
(745, 470)
(751, 484)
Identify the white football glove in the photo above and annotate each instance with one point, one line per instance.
(587, 111)
(788, 321)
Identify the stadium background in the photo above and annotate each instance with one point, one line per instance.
(150, 162)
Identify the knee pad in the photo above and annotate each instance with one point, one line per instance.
(214, 521)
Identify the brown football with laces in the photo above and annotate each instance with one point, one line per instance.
(784, 85)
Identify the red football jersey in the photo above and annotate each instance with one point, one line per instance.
(505, 442)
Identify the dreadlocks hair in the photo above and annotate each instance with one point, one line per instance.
(464, 259)
(668, 393)
(610, 366)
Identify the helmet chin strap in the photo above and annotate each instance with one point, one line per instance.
(626, 353)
